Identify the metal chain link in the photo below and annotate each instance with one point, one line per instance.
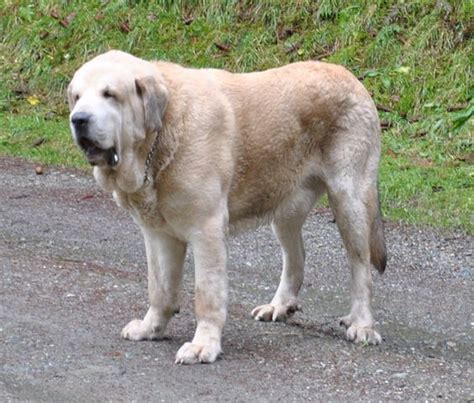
(149, 159)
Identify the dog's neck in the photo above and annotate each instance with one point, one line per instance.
(140, 168)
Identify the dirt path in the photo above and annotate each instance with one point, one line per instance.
(73, 274)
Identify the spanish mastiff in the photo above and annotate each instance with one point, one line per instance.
(193, 154)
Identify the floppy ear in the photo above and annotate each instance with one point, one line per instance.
(154, 98)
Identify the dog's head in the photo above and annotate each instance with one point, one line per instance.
(115, 100)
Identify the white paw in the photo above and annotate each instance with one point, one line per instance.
(275, 312)
(360, 334)
(192, 353)
(139, 329)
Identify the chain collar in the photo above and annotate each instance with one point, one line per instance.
(149, 159)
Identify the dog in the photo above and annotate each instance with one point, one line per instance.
(195, 154)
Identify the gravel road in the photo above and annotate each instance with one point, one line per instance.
(73, 274)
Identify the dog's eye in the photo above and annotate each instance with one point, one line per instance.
(76, 97)
(108, 94)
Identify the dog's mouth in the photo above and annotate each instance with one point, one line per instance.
(97, 155)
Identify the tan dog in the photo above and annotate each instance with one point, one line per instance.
(191, 153)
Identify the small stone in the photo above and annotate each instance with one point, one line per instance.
(400, 375)
(39, 170)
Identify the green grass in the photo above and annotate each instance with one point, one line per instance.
(416, 58)
(41, 139)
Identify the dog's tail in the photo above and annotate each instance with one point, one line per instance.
(378, 252)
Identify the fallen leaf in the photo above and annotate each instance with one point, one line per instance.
(322, 56)
(66, 21)
(38, 142)
(99, 17)
(221, 46)
(125, 27)
(33, 100)
(402, 70)
(54, 13)
(285, 33)
(392, 153)
(293, 47)
(21, 90)
(420, 134)
(386, 125)
(20, 196)
(421, 160)
(384, 108)
(457, 107)
(188, 20)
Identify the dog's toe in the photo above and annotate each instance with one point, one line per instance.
(346, 321)
(365, 335)
(193, 353)
(138, 330)
(275, 312)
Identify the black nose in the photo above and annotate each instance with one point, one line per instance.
(80, 120)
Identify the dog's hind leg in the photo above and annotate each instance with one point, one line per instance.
(351, 181)
(287, 227)
(353, 221)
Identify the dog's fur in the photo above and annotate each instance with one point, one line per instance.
(232, 150)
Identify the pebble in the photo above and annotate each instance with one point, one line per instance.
(400, 375)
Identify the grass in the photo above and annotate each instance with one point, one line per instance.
(415, 57)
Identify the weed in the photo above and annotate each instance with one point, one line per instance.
(414, 57)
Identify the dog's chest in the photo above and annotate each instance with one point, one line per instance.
(143, 207)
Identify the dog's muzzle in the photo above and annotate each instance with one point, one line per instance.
(96, 155)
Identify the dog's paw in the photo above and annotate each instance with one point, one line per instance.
(360, 334)
(365, 335)
(275, 312)
(193, 353)
(139, 329)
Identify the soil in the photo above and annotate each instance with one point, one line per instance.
(73, 273)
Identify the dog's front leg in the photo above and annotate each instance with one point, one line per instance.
(210, 260)
(165, 257)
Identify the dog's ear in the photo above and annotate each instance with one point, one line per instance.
(154, 98)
